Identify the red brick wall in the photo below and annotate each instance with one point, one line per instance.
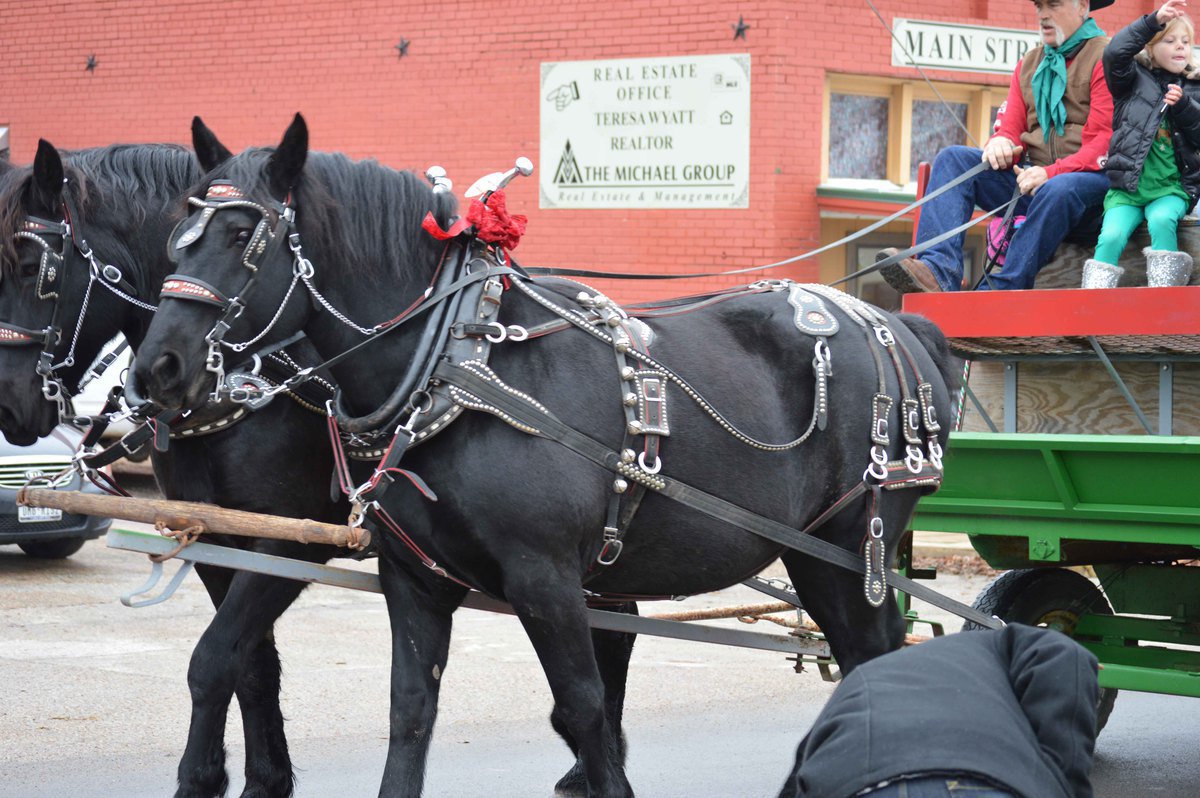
(466, 96)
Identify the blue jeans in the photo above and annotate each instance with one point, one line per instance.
(939, 787)
(1062, 204)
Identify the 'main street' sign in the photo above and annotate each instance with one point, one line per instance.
(963, 48)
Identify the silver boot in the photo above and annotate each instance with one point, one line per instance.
(1165, 267)
(1098, 274)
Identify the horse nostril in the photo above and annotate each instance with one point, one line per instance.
(166, 372)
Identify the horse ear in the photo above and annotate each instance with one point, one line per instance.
(47, 174)
(210, 152)
(288, 159)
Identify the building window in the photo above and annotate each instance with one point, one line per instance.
(881, 128)
(858, 140)
(935, 126)
(4, 156)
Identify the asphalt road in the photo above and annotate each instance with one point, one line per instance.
(93, 699)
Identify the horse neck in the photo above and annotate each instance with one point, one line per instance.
(368, 377)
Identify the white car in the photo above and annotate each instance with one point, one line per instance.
(91, 401)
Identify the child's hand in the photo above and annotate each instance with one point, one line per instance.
(1170, 10)
(1173, 95)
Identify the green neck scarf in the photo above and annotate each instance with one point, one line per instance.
(1050, 79)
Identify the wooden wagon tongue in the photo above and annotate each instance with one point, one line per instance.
(185, 515)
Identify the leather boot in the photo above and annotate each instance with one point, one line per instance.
(1165, 267)
(909, 276)
(1098, 274)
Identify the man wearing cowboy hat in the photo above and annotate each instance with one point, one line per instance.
(1058, 116)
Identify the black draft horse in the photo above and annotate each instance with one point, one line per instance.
(276, 460)
(517, 515)
(272, 461)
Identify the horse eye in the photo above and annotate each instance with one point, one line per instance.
(242, 238)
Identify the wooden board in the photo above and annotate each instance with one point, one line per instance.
(1064, 397)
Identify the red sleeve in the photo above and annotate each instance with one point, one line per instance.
(1096, 132)
(1010, 122)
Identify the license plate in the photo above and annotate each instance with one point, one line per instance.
(33, 515)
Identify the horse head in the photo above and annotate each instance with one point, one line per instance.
(244, 259)
(33, 245)
(76, 245)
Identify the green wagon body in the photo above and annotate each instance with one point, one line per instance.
(1127, 506)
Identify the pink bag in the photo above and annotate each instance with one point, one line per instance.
(997, 243)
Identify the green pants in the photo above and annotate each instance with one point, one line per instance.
(1162, 218)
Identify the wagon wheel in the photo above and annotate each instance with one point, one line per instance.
(1052, 598)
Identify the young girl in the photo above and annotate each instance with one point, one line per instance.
(1154, 154)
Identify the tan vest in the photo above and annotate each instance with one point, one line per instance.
(1045, 149)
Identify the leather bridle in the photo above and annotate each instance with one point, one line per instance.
(50, 287)
(268, 236)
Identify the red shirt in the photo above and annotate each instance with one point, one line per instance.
(1093, 152)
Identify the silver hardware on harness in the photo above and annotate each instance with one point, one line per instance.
(436, 175)
(914, 460)
(935, 454)
(876, 471)
(500, 334)
(642, 462)
(611, 544)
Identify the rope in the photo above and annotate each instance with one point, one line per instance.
(184, 537)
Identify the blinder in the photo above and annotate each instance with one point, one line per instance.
(220, 196)
(50, 270)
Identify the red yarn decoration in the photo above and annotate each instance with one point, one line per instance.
(493, 223)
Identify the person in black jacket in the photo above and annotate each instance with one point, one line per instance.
(1154, 154)
(1007, 712)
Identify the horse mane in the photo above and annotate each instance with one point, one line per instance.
(362, 217)
(126, 179)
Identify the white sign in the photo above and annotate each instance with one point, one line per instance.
(963, 48)
(646, 133)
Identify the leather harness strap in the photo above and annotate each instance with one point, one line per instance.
(553, 429)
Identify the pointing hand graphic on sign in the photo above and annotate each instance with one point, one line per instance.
(564, 94)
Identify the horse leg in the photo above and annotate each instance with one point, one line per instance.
(237, 652)
(613, 650)
(419, 610)
(834, 596)
(268, 767)
(551, 608)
